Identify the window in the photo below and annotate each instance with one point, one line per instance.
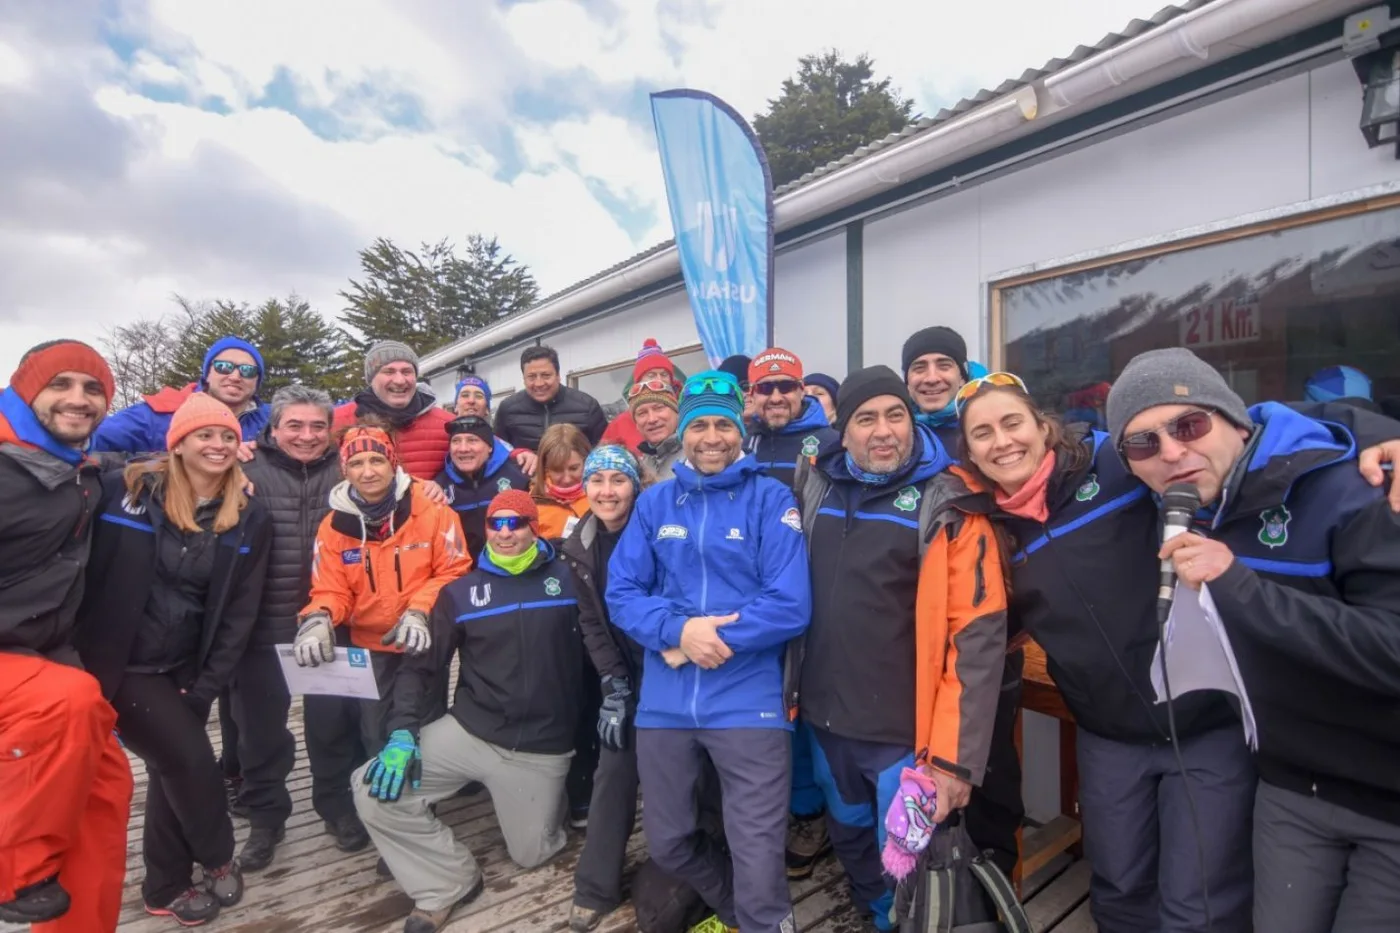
(1267, 307)
(609, 383)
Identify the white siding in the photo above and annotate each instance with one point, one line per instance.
(809, 297)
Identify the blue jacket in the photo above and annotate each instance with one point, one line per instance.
(710, 546)
(140, 428)
(777, 451)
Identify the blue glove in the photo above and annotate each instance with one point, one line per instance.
(399, 761)
(615, 715)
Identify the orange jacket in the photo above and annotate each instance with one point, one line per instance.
(960, 632)
(558, 518)
(368, 585)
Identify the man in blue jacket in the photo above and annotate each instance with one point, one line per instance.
(711, 578)
(233, 372)
(1301, 558)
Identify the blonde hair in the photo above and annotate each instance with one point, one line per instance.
(180, 500)
(558, 442)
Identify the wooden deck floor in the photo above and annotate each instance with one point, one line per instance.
(311, 886)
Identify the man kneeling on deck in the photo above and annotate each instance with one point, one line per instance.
(514, 620)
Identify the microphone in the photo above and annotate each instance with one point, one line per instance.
(1180, 503)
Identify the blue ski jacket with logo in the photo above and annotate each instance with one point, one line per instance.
(777, 451)
(702, 545)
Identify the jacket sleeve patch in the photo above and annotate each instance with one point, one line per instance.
(793, 519)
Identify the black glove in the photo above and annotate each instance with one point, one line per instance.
(615, 715)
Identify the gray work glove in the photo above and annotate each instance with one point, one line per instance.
(411, 634)
(315, 641)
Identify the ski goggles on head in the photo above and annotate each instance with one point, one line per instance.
(1186, 427)
(227, 367)
(781, 386)
(972, 387)
(507, 522)
(651, 385)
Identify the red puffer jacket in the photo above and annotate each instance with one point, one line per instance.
(419, 429)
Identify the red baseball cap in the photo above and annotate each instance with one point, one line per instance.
(775, 361)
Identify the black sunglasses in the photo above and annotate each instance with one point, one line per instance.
(1190, 426)
(783, 386)
(226, 368)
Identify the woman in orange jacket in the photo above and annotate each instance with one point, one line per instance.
(381, 556)
(558, 484)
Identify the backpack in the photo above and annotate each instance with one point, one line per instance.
(956, 889)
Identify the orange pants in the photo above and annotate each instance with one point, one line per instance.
(65, 791)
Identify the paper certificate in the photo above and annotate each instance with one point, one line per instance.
(351, 674)
(1199, 655)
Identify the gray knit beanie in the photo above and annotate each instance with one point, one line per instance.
(385, 352)
(1174, 376)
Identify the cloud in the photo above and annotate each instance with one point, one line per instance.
(246, 149)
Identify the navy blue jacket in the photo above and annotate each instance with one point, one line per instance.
(521, 654)
(777, 451)
(1312, 608)
(141, 428)
(702, 545)
(469, 496)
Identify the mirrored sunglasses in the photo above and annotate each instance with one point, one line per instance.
(507, 522)
(226, 368)
(972, 387)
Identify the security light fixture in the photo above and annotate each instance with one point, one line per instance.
(1372, 41)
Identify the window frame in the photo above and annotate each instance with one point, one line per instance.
(573, 377)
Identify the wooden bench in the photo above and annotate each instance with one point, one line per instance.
(1062, 834)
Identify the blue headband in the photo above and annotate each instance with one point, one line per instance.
(612, 457)
(473, 381)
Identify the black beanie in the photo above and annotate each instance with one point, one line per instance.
(937, 339)
(738, 367)
(863, 385)
(471, 424)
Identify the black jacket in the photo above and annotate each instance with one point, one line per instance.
(613, 654)
(46, 511)
(778, 451)
(470, 495)
(296, 496)
(167, 637)
(1312, 608)
(521, 421)
(122, 572)
(521, 656)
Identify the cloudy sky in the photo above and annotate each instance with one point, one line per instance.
(248, 149)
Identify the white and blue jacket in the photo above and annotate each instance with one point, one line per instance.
(702, 545)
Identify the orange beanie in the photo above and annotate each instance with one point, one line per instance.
(200, 410)
(42, 363)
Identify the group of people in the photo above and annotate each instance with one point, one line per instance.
(756, 596)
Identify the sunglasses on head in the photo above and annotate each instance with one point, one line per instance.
(971, 388)
(781, 386)
(508, 522)
(1190, 426)
(226, 368)
(651, 385)
(717, 386)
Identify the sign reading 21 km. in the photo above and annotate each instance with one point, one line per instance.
(720, 196)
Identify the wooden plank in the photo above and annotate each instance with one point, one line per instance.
(1044, 843)
(1059, 899)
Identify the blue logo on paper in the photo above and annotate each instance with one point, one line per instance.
(350, 556)
(359, 657)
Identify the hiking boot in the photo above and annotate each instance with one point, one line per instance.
(191, 909)
(261, 845)
(582, 919)
(36, 903)
(807, 842)
(233, 788)
(578, 817)
(712, 924)
(430, 921)
(350, 834)
(225, 883)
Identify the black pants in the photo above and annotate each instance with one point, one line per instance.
(187, 819)
(265, 749)
(613, 810)
(995, 810)
(579, 784)
(228, 736)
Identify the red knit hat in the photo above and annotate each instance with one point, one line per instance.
(200, 410)
(519, 502)
(361, 438)
(38, 367)
(775, 361)
(650, 357)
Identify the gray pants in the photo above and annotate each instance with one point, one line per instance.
(1140, 840)
(754, 767)
(1321, 868)
(435, 868)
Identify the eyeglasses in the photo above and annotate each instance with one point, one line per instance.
(651, 385)
(781, 386)
(1144, 445)
(713, 384)
(971, 388)
(226, 368)
(508, 522)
